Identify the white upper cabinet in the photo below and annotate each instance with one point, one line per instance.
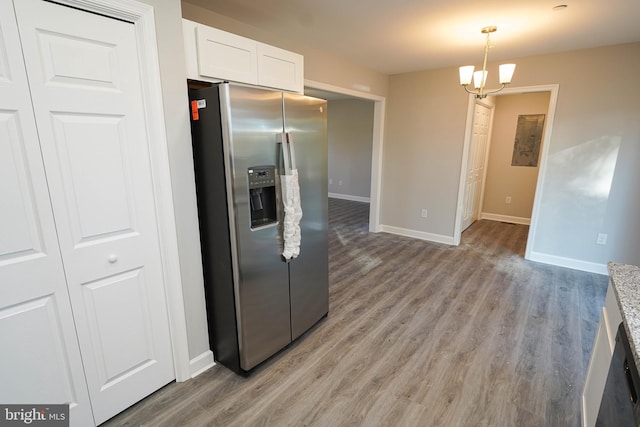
(280, 68)
(215, 55)
(226, 56)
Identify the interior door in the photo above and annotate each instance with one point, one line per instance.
(39, 352)
(85, 83)
(476, 164)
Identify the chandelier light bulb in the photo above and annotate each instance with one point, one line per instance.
(480, 78)
(506, 73)
(466, 73)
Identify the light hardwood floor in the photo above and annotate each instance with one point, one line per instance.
(418, 334)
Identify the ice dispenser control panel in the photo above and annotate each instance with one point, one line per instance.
(262, 176)
(262, 195)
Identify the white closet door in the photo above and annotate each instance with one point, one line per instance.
(475, 165)
(85, 81)
(39, 355)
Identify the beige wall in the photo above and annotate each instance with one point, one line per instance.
(350, 133)
(426, 114)
(590, 184)
(517, 182)
(318, 66)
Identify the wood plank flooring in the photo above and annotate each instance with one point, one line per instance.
(418, 334)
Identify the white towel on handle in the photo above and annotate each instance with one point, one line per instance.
(292, 214)
(290, 199)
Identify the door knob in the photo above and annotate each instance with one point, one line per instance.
(112, 258)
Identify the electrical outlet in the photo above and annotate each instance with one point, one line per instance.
(330, 181)
(423, 213)
(602, 239)
(340, 183)
(508, 200)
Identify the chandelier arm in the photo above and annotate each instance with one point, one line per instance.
(472, 92)
(487, 92)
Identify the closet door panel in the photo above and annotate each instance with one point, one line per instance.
(41, 361)
(85, 83)
(38, 369)
(98, 190)
(21, 236)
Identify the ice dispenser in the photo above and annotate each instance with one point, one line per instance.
(262, 195)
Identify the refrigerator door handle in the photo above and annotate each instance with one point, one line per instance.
(292, 152)
(283, 139)
(288, 151)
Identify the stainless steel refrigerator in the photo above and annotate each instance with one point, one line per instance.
(258, 302)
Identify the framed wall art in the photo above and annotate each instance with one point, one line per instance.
(526, 147)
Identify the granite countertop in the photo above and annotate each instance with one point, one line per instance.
(626, 284)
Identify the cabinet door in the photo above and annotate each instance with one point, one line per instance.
(611, 316)
(279, 68)
(226, 56)
(41, 361)
(85, 82)
(596, 376)
(189, 29)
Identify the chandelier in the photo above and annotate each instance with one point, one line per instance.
(480, 77)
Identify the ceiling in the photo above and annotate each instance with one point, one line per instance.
(397, 36)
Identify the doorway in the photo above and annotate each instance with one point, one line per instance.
(350, 134)
(326, 91)
(467, 159)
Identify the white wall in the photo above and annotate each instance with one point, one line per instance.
(503, 179)
(175, 103)
(350, 132)
(594, 152)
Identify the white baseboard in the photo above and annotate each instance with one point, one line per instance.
(576, 264)
(350, 197)
(201, 363)
(505, 218)
(437, 238)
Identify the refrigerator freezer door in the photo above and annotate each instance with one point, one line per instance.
(251, 120)
(306, 121)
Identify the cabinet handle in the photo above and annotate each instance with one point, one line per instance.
(112, 258)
